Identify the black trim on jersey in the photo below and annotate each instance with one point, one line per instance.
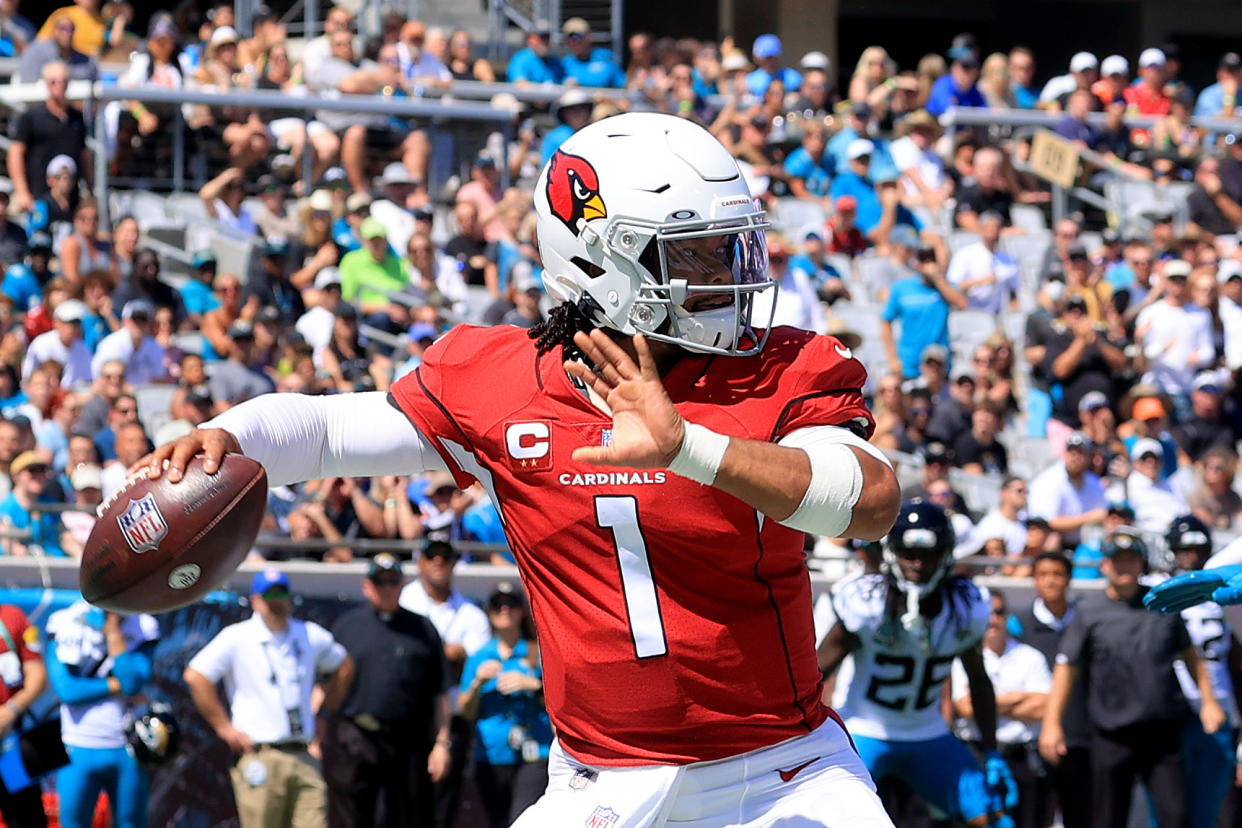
(850, 425)
(426, 391)
(780, 625)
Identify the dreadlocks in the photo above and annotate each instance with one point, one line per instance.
(563, 321)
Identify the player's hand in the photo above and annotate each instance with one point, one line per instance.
(1052, 744)
(438, 762)
(212, 443)
(646, 429)
(1212, 716)
(1000, 781)
(237, 741)
(1222, 584)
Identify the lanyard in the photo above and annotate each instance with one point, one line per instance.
(286, 699)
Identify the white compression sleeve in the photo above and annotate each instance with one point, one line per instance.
(296, 437)
(836, 479)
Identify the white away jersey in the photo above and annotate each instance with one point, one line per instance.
(894, 692)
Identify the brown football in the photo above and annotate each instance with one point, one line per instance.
(158, 545)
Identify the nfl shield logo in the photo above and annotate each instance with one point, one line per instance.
(605, 437)
(581, 778)
(142, 524)
(602, 818)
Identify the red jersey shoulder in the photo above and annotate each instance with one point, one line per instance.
(812, 362)
(24, 635)
(470, 358)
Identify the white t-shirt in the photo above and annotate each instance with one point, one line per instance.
(907, 155)
(797, 304)
(894, 690)
(77, 634)
(143, 364)
(1020, 668)
(995, 525)
(1155, 502)
(1176, 341)
(267, 674)
(75, 356)
(456, 620)
(975, 261)
(315, 326)
(1053, 495)
(1231, 321)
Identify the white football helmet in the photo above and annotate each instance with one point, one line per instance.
(646, 224)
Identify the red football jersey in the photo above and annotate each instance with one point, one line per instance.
(674, 620)
(25, 638)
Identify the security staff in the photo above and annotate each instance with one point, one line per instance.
(389, 741)
(269, 664)
(1134, 703)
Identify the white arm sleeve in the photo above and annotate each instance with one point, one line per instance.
(836, 478)
(296, 437)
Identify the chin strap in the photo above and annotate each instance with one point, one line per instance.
(912, 619)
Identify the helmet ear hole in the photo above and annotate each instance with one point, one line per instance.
(650, 258)
(591, 269)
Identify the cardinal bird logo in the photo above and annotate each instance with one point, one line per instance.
(573, 190)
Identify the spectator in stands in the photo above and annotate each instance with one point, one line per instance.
(462, 64)
(275, 218)
(54, 212)
(573, 110)
(76, 524)
(63, 344)
(435, 279)
(108, 386)
(147, 284)
(869, 83)
(1212, 211)
(369, 274)
(826, 279)
(316, 324)
(16, 32)
(236, 379)
(1155, 501)
(766, 51)
(266, 31)
(244, 133)
(57, 45)
(1021, 78)
(317, 49)
(131, 444)
(879, 207)
(1114, 78)
(977, 451)
(421, 56)
(808, 169)
(1208, 426)
(1068, 495)
(986, 275)
(534, 64)
(52, 438)
(83, 250)
(921, 302)
(1147, 96)
(365, 137)
(989, 191)
(1220, 100)
(125, 236)
(844, 236)
(954, 400)
(1074, 126)
(20, 509)
(924, 182)
(1212, 498)
(24, 281)
(469, 247)
(1176, 336)
(133, 345)
(89, 29)
(44, 131)
(346, 360)
(13, 238)
(796, 303)
(483, 190)
(584, 65)
(124, 410)
(1006, 520)
(1083, 72)
(156, 67)
(1080, 356)
(222, 198)
(960, 86)
(815, 97)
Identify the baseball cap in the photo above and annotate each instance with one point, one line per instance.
(267, 579)
(346, 311)
(575, 26)
(815, 60)
(357, 201)
(39, 240)
(935, 352)
(1092, 401)
(962, 373)
(1115, 65)
(735, 62)
(540, 27)
(904, 234)
(269, 183)
(861, 110)
(86, 477)
(1123, 540)
(327, 277)
(320, 201)
(1151, 57)
(383, 564)
(484, 159)
(71, 310)
(421, 331)
(1122, 509)
(1146, 446)
(1230, 60)
(846, 202)
(1178, 268)
(1082, 61)
(262, 14)
(935, 452)
(163, 26)
(61, 163)
(334, 175)
(276, 246)
(1110, 236)
(223, 34)
(241, 329)
(1206, 381)
(1147, 408)
(505, 595)
(138, 307)
(1228, 269)
(858, 148)
(396, 173)
(1076, 252)
(203, 258)
(960, 52)
(1078, 440)
(424, 214)
(767, 46)
(24, 461)
(373, 228)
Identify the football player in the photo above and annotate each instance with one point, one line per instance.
(1208, 758)
(656, 457)
(903, 628)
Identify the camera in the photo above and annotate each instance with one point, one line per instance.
(925, 253)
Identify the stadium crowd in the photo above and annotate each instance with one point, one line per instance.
(1044, 385)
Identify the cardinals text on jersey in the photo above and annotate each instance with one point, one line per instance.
(674, 621)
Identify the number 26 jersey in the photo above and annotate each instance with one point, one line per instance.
(894, 693)
(674, 620)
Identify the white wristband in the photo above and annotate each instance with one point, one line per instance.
(702, 451)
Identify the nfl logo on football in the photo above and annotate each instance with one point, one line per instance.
(603, 817)
(142, 524)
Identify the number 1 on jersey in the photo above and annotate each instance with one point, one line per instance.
(620, 514)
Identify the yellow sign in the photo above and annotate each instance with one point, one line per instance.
(1054, 158)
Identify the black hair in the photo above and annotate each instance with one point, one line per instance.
(1055, 557)
(564, 320)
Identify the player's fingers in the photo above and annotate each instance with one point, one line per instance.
(183, 451)
(153, 463)
(592, 456)
(646, 362)
(589, 377)
(614, 354)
